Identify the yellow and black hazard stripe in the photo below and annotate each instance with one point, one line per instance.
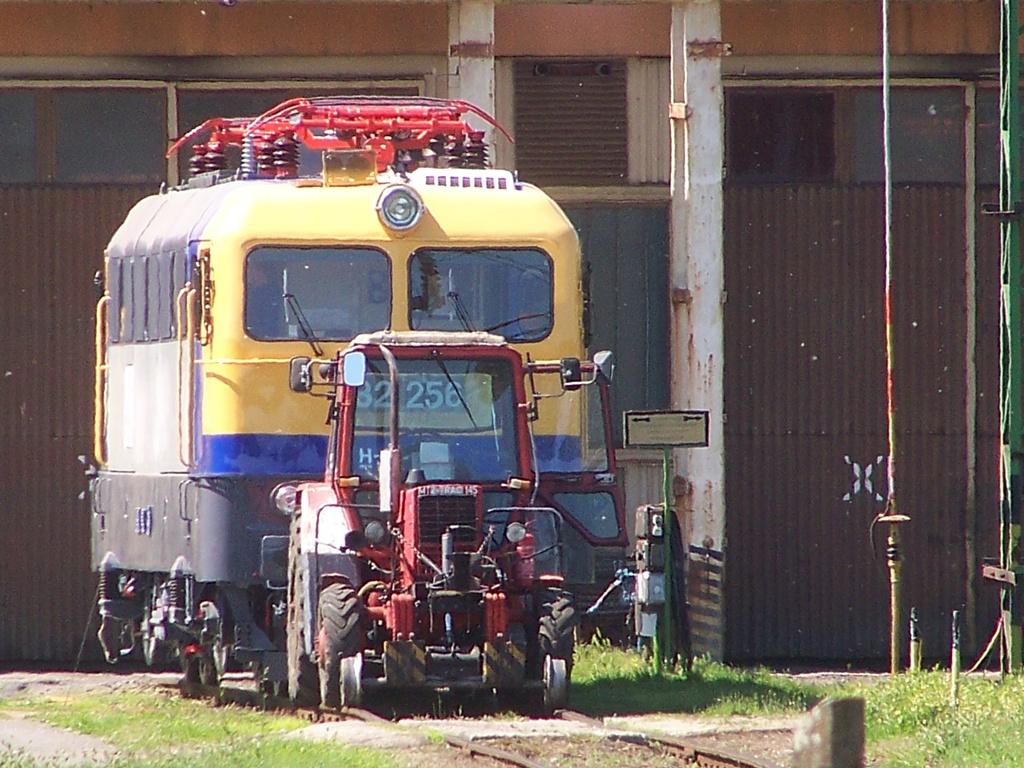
(405, 662)
(504, 663)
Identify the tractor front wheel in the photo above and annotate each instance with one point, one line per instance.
(339, 642)
(556, 625)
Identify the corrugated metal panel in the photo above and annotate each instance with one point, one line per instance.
(51, 244)
(641, 479)
(627, 249)
(649, 91)
(805, 398)
(570, 122)
(504, 154)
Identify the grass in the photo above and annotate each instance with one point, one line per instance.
(158, 729)
(911, 721)
(609, 681)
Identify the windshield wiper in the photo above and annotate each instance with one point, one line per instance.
(458, 392)
(460, 310)
(304, 326)
(456, 304)
(519, 319)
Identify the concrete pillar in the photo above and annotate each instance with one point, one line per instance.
(471, 58)
(696, 271)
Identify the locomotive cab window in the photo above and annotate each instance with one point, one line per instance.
(329, 293)
(502, 291)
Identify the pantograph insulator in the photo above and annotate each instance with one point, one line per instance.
(264, 151)
(286, 156)
(475, 153)
(453, 152)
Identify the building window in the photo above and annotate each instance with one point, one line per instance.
(987, 140)
(110, 135)
(779, 135)
(17, 137)
(926, 135)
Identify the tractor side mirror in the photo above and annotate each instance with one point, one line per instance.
(604, 364)
(353, 370)
(299, 377)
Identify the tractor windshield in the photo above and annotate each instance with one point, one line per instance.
(569, 434)
(456, 420)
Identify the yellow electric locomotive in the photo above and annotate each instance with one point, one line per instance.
(344, 216)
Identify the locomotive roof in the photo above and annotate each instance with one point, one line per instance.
(265, 210)
(167, 223)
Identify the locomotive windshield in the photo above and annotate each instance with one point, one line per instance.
(327, 293)
(456, 419)
(502, 291)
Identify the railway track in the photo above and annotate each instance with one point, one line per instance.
(688, 752)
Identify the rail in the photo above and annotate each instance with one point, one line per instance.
(689, 753)
(186, 349)
(99, 431)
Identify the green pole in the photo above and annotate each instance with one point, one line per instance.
(666, 460)
(1011, 352)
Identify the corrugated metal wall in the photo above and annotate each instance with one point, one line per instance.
(627, 249)
(51, 244)
(806, 429)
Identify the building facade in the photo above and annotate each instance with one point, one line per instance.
(92, 94)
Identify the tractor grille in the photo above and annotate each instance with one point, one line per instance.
(436, 513)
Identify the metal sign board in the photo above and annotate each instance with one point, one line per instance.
(665, 429)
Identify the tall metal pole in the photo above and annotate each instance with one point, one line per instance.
(1012, 458)
(890, 514)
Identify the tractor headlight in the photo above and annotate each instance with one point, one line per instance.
(400, 208)
(515, 532)
(285, 498)
(374, 532)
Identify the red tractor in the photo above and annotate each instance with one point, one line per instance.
(423, 560)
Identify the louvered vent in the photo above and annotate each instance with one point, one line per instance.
(436, 513)
(571, 122)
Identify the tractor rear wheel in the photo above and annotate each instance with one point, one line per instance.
(339, 642)
(556, 685)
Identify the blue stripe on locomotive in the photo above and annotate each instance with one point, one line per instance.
(262, 454)
(266, 454)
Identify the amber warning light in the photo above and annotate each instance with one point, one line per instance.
(349, 167)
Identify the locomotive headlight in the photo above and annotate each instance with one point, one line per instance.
(285, 498)
(374, 532)
(400, 208)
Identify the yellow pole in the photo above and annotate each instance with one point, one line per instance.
(894, 557)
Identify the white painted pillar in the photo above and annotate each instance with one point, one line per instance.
(696, 270)
(471, 58)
